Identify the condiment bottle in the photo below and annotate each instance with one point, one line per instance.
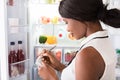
(12, 57)
(20, 57)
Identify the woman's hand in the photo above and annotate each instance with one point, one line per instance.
(51, 60)
(46, 72)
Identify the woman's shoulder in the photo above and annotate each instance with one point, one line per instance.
(90, 61)
(88, 52)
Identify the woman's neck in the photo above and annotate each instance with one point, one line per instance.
(93, 27)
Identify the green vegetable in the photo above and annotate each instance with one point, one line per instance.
(42, 39)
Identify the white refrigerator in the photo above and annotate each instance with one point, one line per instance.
(26, 20)
(22, 22)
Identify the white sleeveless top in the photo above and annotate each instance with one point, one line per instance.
(104, 47)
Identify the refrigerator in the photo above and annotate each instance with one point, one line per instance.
(23, 22)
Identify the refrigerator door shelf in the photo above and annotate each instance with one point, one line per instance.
(21, 77)
(19, 70)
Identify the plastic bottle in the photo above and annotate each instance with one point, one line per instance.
(20, 57)
(12, 58)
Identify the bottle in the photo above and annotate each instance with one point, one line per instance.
(35, 75)
(12, 59)
(20, 57)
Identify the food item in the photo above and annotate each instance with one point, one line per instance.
(50, 1)
(42, 39)
(51, 40)
(54, 20)
(45, 20)
(67, 57)
(58, 55)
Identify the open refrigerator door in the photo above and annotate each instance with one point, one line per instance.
(18, 42)
(3, 40)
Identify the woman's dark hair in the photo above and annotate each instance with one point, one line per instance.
(89, 10)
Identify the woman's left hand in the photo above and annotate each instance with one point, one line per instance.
(46, 72)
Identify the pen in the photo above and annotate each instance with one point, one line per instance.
(52, 48)
(46, 58)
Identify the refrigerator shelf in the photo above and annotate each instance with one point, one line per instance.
(60, 52)
(40, 24)
(20, 26)
(40, 3)
(18, 29)
(20, 62)
(20, 77)
(19, 70)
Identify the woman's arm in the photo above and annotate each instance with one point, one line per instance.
(89, 65)
(52, 61)
(60, 67)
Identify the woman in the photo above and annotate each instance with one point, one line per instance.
(95, 60)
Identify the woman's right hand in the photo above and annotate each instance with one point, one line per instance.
(52, 61)
(46, 72)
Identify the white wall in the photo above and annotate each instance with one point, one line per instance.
(114, 32)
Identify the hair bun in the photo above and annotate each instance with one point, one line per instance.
(110, 17)
(102, 13)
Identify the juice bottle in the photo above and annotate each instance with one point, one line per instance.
(20, 57)
(12, 58)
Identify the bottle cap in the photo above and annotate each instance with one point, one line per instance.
(12, 43)
(19, 42)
